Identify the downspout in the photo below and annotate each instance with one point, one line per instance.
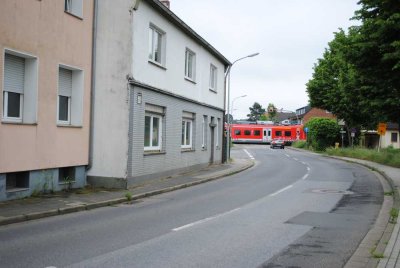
(93, 83)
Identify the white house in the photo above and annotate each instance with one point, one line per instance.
(158, 103)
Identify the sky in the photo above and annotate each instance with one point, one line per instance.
(290, 36)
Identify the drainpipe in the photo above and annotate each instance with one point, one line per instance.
(93, 83)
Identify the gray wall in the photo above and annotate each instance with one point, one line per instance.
(42, 181)
(172, 159)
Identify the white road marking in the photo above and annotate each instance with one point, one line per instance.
(308, 168)
(281, 190)
(305, 176)
(287, 155)
(296, 159)
(204, 220)
(247, 152)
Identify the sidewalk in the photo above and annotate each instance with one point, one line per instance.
(61, 203)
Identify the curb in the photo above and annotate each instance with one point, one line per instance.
(111, 202)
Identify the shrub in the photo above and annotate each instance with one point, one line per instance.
(322, 133)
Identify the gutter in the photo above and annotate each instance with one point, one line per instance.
(93, 84)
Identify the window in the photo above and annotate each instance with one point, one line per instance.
(75, 7)
(213, 77)
(20, 88)
(288, 133)
(204, 132)
(237, 132)
(17, 180)
(190, 64)
(187, 130)
(156, 45)
(247, 132)
(153, 122)
(394, 137)
(257, 133)
(66, 174)
(278, 133)
(70, 96)
(186, 133)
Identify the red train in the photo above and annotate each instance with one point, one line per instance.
(245, 133)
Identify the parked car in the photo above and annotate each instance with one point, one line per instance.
(277, 144)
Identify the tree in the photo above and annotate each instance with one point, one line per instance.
(376, 55)
(358, 78)
(322, 132)
(255, 112)
(271, 112)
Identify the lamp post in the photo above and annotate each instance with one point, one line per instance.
(230, 118)
(228, 83)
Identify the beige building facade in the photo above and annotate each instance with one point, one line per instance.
(45, 84)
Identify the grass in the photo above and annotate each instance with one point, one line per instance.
(128, 196)
(394, 213)
(388, 156)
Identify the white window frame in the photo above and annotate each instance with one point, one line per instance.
(160, 129)
(190, 65)
(75, 101)
(5, 110)
(155, 32)
(28, 97)
(213, 77)
(74, 7)
(68, 121)
(185, 122)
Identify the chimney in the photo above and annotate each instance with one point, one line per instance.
(166, 3)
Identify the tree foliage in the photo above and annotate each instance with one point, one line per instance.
(255, 112)
(271, 112)
(322, 132)
(358, 78)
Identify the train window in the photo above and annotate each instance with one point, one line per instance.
(257, 133)
(247, 132)
(237, 132)
(278, 133)
(288, 133)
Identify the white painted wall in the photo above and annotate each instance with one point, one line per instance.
(172, 78)
(111, 122)
(387, 139)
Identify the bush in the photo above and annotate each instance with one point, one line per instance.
(322, 133)
(299, 144)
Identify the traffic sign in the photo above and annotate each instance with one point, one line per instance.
(381, 129)
(306, 129)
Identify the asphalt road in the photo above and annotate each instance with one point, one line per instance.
(292, 209)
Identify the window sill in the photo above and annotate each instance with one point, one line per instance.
(190, 80)
(157, 64)
(73, 15)
(15, 190)
(148, 153)
(187, 150)
(213, 90)
(10, 122)
(68, 126)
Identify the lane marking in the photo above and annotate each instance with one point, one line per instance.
(308, 168)
(282, 190)
(296, 159)
(204, 220)
(249, 155)
(305, 176)
(287, 155)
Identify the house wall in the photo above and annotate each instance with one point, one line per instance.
(172, 77)
(111, 93)
(43, 30)
(172, 158)
(387, 139)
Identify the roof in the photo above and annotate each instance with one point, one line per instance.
(174, 19)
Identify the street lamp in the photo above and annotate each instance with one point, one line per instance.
(228, 79)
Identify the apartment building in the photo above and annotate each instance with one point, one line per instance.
(45, 67)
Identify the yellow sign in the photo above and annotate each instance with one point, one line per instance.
(381, 129)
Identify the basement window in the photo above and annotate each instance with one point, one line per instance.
(66, 174)
(17, 181)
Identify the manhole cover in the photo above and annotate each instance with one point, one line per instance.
(330, 191)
